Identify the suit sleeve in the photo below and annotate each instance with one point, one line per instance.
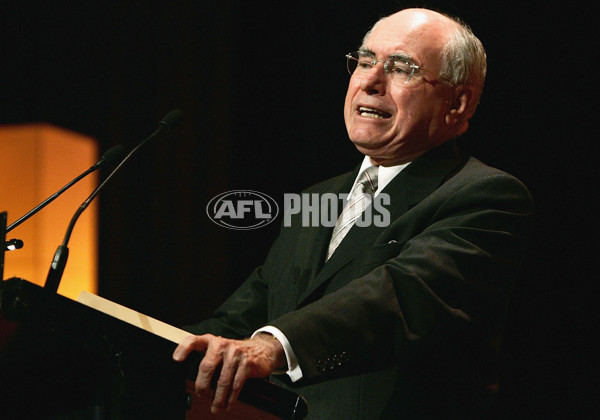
(238, 316)
(247, 308)
(445, 288)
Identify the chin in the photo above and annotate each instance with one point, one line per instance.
(371, 150)
(366, 142)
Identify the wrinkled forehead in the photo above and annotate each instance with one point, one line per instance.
(422, 35)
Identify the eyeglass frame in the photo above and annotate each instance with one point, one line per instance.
(386, 62)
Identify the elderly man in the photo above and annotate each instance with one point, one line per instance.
(397, 321)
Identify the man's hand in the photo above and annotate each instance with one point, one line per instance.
(257, 357)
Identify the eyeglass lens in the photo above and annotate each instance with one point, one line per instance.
(400, 72)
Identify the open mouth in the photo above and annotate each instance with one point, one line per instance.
(372, 113)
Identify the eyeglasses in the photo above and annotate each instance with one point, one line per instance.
(400, 71)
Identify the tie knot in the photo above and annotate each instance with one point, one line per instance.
(368, 179)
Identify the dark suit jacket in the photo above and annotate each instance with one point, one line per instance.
(403, 321)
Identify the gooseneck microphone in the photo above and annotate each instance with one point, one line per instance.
(169, 121)
(112, 155)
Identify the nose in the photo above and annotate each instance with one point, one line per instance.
(374, 82)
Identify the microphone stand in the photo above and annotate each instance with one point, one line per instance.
(17, 243)
(3, 244)
(48, 200)
(111, 155)
(62, 252)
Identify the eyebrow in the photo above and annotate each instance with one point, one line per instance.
(402, 56)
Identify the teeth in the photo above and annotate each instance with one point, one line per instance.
(369, 112)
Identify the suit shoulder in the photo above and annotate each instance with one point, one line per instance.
(477, 174)
(474, 168)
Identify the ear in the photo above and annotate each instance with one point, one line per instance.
(459, 111)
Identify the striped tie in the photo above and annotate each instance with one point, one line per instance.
(358, 201)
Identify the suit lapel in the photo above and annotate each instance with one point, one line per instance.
(314, 240)
(407, 189)
(428, 172)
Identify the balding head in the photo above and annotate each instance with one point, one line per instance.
(463, 57)
(395, 117)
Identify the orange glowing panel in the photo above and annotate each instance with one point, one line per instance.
(36, 160)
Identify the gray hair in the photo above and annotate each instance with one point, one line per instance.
(464, 61)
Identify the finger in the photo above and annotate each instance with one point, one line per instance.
(183, 349)
(189, 344)
(241, 375)
(208, 366)
(224, 383)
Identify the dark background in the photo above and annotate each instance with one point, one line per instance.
(262, 86)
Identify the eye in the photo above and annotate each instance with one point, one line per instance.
(364, 63)
(400, 68)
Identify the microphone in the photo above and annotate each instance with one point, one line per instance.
(112, 155)
(169, 121)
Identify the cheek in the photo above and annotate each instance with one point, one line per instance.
(418, 110)
(350, 94)
(347, 107)
(422, 127)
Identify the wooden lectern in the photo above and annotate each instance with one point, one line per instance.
(63, 359)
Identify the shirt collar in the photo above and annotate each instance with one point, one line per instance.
(384, 175)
